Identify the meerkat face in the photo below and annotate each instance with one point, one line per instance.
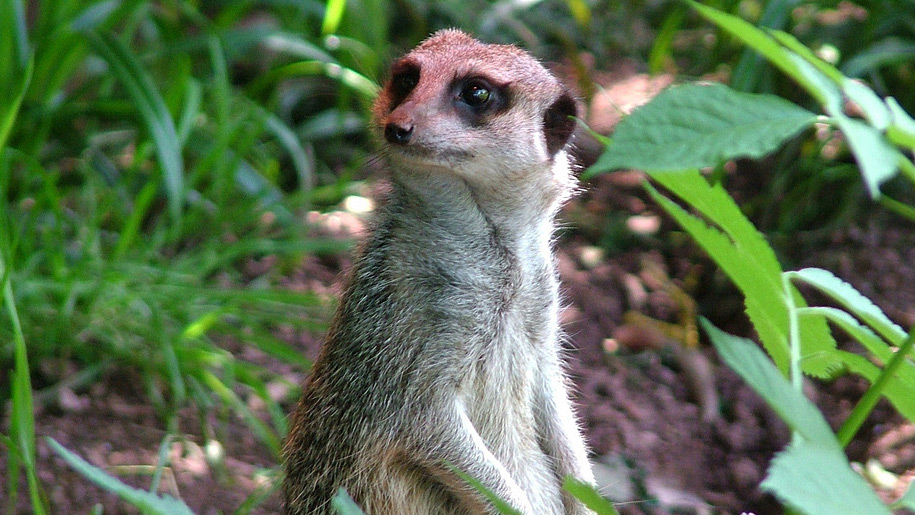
(473, 108)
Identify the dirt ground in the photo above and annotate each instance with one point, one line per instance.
(673, 430)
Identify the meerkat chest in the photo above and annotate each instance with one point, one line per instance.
(508, 373)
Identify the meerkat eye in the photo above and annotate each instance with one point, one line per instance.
(475, 95)
(478, 99)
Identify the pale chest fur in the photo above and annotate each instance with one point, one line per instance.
(504, 388)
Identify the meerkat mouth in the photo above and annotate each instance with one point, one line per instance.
(419, 155)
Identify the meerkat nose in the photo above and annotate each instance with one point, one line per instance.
(397, 134)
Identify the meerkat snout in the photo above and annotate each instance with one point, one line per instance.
(397, 134)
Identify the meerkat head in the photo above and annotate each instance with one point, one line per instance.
(486, 112)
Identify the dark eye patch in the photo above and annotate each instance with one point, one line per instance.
(404, 78)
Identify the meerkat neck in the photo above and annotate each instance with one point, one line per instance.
(523, 216)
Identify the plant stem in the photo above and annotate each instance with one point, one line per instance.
(900, 208)
(907, 168)
(794, 335)
(872, 395)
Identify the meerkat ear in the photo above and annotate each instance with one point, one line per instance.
(558, 124)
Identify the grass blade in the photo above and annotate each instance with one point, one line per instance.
(343, 504)
(22, 419)
(9, 108)
(501, 505)
(141, 89)
(589, 496)
(147, 502)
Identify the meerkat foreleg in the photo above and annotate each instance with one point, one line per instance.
(561, 438)
(459, 445)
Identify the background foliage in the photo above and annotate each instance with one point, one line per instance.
(148, 150)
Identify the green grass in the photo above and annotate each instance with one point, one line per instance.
(138, 173)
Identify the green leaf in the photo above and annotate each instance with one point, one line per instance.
(261, 431)
(286, 137)
(873, 343)
(745, 358)
(799, 49)
(14, 39)
(296, 46)
(694, 126)
(146, 501)
(876, 111)
(899, 387)
(343, 504)
(818, 480)
(852, 300)
(587, 494)
(94, 15)
(749, 261)
(793, 65)
(902, 128)
(881, 385)
(877, 159)
(142, 90)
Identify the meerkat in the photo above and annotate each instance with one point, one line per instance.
(445, 351)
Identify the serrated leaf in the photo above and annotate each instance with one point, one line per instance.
(793, 65)
(343, 504)
(818, 480)
(873, 343)
(146, 501)
(589, 496)
(826, 361)
(852, 300)
(898, 389)
(695, 126)
(763, 302)
(745, 358)
(877, 159)
(749, 261)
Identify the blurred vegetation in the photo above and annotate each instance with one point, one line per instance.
(149, 150)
